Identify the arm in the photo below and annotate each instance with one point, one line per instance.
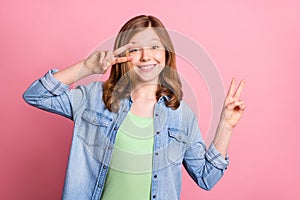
(97, 63)
(73, 73)
(205, 166)
(231, 114)
(51, 92)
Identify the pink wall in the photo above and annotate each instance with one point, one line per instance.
(255, 40)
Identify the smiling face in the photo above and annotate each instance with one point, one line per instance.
(153, 61)
(148, 55)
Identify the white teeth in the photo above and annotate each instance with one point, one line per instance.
(146, 67)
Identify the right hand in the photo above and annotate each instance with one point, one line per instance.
(99, 61)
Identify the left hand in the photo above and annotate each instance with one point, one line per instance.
(233, 107)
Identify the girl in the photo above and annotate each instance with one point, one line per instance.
(133, 131)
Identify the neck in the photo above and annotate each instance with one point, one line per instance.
(144, 91)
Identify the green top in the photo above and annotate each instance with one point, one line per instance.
(129, 175)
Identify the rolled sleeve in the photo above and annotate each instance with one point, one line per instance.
(216, 158)
(49, 94)
(52, 84)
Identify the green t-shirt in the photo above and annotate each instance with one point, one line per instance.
(129, 175)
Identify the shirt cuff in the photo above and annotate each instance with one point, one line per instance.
(52, 84)
(216, 158)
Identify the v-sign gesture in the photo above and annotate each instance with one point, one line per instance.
(99, 61)
(96, 63)
(231, 114)
(233, 106)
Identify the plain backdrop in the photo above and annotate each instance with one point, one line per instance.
(254, 40)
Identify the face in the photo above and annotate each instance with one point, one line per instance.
(148, 55)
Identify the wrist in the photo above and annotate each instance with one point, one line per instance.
(224, 126)
(86, 70)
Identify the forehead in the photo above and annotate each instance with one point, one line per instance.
(145, 36)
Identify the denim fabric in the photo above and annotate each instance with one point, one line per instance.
(177, 140)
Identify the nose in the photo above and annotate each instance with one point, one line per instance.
(145, 54)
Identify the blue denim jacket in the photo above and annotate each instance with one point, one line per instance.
(177, 140)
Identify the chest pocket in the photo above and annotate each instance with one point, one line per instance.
(177, 140)
(93, 130)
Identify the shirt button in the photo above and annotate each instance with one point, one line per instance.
(115, 128)
(110, 147)
(156, 154)
(156, 114)
(154, 196)
(157, 132)
(179, 137)
(104, 166)
(155, 176)
(99, 185)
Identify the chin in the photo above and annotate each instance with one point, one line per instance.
(143, 79)
(152, 76)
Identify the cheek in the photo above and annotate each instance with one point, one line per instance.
(160, 57)
(135, 60)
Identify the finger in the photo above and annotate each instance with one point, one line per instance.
(102, 55)
(231, 88)
(235, 104)
(122, 49)
(122, 59)
(242, 107)
(108, 59)
(107, 64)
(239, 90)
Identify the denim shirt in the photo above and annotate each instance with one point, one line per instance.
(177, 140)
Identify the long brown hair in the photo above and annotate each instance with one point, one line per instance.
(119, 84)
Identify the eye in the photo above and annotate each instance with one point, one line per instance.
(134, 50)
(155, 47)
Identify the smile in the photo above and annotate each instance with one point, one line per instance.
(146, 68)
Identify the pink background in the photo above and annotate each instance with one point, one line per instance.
(255, 40)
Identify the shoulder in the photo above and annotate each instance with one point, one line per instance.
(95, 85)
(185, 109)
(89, 89)
(183, 116)
(89, 95)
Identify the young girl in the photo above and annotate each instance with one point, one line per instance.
(133, 131)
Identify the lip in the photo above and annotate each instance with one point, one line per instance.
(147, 68)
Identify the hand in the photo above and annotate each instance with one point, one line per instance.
(233, 106)
(99, 61)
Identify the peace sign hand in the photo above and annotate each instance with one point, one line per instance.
(99, 61)
(233, 106)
